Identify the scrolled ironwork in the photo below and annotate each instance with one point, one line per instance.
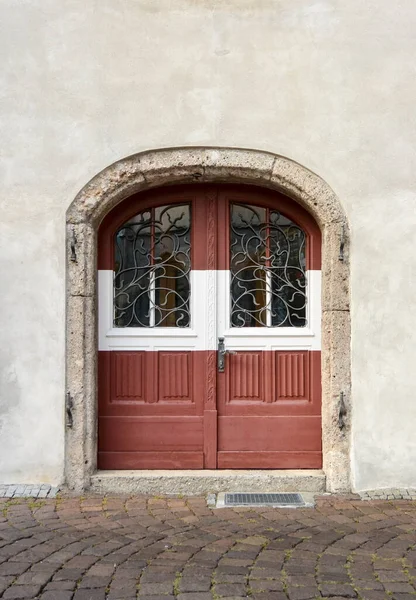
(267, 264)
(153, 263)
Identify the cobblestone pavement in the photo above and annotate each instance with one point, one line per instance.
(159, 549)
(43, 490)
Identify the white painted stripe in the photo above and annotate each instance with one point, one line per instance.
(209, 319)
(200, 336)
(272, 338)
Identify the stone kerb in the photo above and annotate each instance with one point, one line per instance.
(199, 165)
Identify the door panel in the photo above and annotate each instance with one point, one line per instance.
(151, 460)
(151, 402)
(152, 333)
(269, 395)
(268, 434)
(266, 383)
(168, 291)
(119, 434)
(269, 460)
(280, 426)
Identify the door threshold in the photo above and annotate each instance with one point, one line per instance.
(200, 482)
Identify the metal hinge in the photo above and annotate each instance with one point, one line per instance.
(342, 244)
(342, 411)
(73, 244)
(69, 407)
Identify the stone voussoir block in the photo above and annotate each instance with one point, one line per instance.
(335, 268)
(237, 164)
(81, 269)
(307, 188)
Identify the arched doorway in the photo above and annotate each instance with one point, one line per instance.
(209, 331)
(307, 201)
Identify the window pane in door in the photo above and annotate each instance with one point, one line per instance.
(152, 272)
(267, 264)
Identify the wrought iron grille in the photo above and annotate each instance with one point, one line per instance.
(152, 272)
(267, 264)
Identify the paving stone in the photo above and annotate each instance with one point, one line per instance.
(75, 549)
(390, 575)
(374, 595)
(28, 491)
(268, 585)
(368, 585)
(268, 596)
(333, 589)
(89, 595)
(399, 587)
(34, 577)
(61, 585)
(192, 596)
(230, 589)
(56, 595)
(229, 578)
(18, 592)
(5, 582)
(302, 593)
(13, 568)
(149, 589)
(201, 584)
(300, 580)
(94, 582)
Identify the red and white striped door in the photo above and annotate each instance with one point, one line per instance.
(183, 272)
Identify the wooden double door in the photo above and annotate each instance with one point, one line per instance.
(209, 331)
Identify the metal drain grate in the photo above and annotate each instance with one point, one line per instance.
(268, 499)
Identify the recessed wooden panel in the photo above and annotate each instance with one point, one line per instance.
(175, 373)
(269, 460)
(246, 376)
(150, 460)
(146, 434)
(292, 375)
(127, 376)
(269, 434)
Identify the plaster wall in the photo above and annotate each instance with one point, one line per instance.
(327, 83)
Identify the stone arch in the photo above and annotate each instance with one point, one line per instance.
(156, 168)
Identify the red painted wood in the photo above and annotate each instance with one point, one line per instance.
(201, 198)
(267, 199)
(246, 382)
(273, 382)
(267, 434)
(128, 373)
(270, 405)
(175, 376)
(269, 460)
(145, 434)
(198, 197)
(210, 439)
(150, 460)
(292, 375)
(246, 423)
(159, 409)
(159, 390)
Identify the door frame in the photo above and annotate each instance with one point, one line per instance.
(157, 168)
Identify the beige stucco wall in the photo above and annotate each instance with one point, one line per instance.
(328, 83)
